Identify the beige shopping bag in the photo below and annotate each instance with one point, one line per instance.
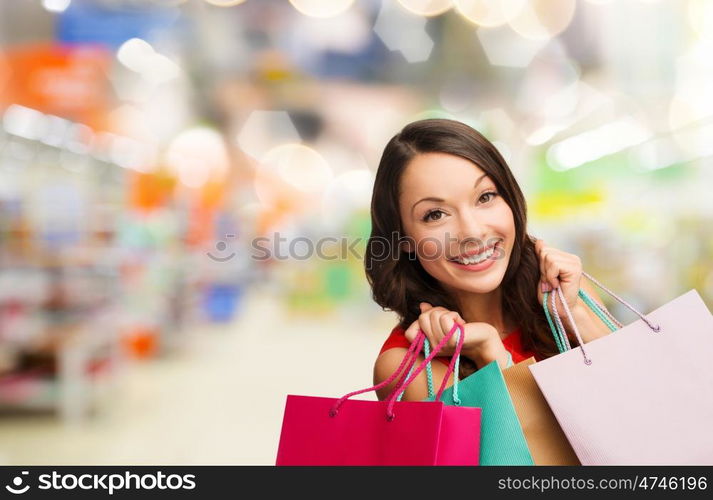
(548, 444)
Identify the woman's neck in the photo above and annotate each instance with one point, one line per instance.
(484, 308)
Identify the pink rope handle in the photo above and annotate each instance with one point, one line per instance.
(397, 390)
(452, 364)
(392, 398)
(421, 340)
(409, 358)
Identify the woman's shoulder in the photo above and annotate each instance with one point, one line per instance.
(397, 338)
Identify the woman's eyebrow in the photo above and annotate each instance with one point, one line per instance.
(441, 200)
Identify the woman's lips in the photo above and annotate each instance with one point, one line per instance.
(474, 252)
(481, 266)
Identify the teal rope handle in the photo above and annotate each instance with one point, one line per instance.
(594, 306)
(555, 332)
(456, 370)
(410, 371)
(509, 362)
(429, 372)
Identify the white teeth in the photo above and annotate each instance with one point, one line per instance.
(477, 259)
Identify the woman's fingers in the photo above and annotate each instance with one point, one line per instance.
(412, 331)
(429, 322)
(446, 323)
(558, 269)
(426, 324)
(552, 263)
(434, 318)
(541, 251)
(436, 323)
(551, 270)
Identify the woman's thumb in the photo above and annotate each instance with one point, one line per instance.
(425, 306)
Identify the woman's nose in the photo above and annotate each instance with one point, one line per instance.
(471, 232)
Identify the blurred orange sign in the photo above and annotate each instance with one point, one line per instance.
(67, 81)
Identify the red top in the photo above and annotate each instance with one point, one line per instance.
(512, 342)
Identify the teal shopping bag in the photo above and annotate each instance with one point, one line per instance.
(502, 441)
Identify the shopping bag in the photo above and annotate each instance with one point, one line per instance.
(502, 441)
(642, 395)
(545, 438)
(547, 443)
(330, 431)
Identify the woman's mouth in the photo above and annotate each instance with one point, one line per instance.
(477, 261)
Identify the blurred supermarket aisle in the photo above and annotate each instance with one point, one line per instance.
(185, 190)
(218, 401)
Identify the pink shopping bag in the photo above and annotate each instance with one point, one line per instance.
(642, 395)
(329, 431)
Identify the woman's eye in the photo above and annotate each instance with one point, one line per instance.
(490, 195)
(432, 215)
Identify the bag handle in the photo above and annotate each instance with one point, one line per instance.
(429, 374)
(600, 311)
(560, 327)
(429, 371)
(408, 360)
(421, 342)
(561, 339)
(451, 367)
(654, 328)
(560, 335)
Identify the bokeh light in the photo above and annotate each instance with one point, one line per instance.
(411, 40)
(321, 8)
(139, 56)
(543, 19)
(299, 166)
(225, 3)
(489, 13)
(428, 8)
(504, 47)
(265, 130)
(198, 155)
(56, 5)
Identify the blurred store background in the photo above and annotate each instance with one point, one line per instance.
(159, 160)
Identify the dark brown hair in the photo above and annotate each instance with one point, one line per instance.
(399, 282)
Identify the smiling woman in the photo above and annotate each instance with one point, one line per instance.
(451, 208)
(463, 226)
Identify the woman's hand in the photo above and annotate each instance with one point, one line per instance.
(481, 341)
(559, 269)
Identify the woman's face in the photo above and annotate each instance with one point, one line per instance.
(463, 229)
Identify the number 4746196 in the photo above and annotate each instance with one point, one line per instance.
(673, 483)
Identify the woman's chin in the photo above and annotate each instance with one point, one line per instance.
(479, 284)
